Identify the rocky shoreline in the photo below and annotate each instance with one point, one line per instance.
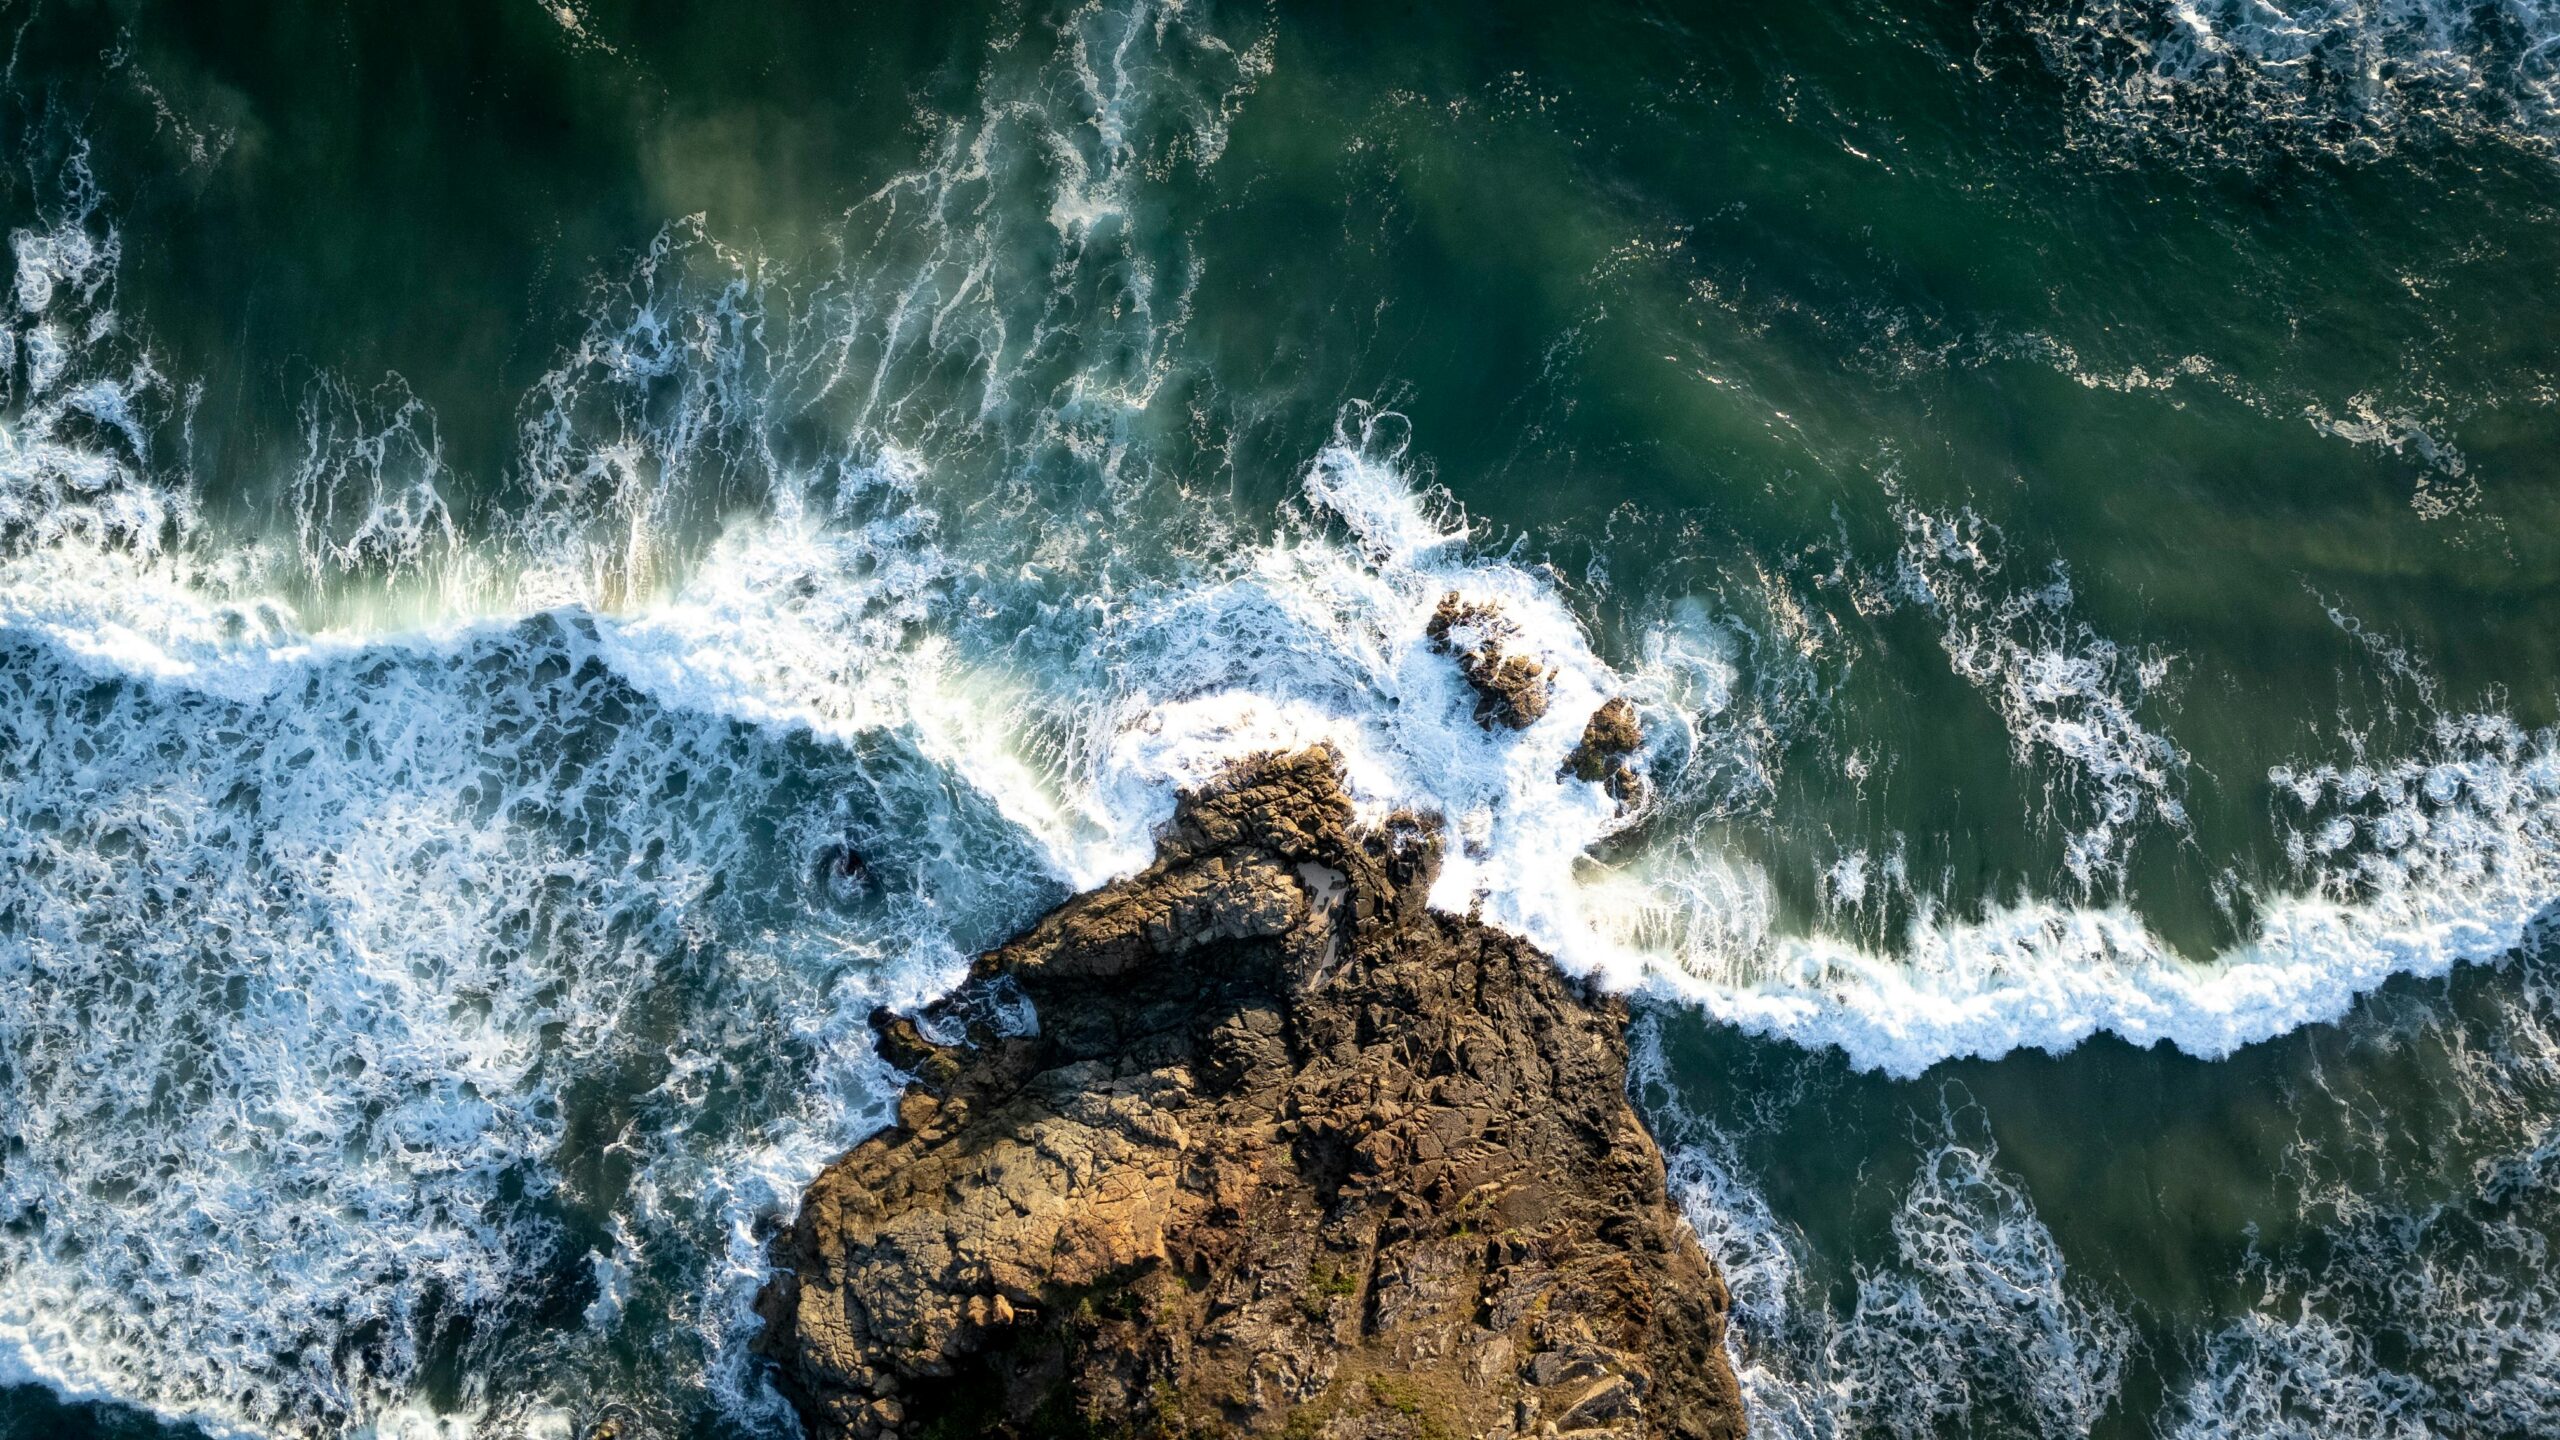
(1284, 1152)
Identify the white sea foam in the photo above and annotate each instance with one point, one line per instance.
(1321, 636)
(2233, 80)
(323, 948)
(366, 495)
(431, 778)
(2424, 1301)
(1972, 1326)
(76, 462)
(2071, 698)
(2411, 868)
(374, 996)
(2417, 1298)
(2306, 1378)
(314, 956)
(2406, 868)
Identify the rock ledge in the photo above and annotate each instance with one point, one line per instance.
(1289, 1154)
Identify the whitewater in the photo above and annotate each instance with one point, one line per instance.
(349, 845)
(399, 909)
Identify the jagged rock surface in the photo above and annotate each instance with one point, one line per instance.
(1611, 735)
(1510, 689)
(1289, 1154)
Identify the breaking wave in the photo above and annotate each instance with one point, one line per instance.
(436, 940)
(426, 893)
(2230, 82)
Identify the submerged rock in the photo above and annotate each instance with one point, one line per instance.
(1288, 1154)
(1608, 738)
(1510, 689)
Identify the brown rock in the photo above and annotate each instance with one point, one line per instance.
(1611, 735)
(1289, 1153)
(1510, 689)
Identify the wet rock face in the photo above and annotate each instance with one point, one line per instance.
(1612, 735)
(1289, 1154)
(1510, 689)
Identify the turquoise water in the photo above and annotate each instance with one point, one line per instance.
(496, 500)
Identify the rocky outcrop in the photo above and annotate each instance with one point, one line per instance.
(1510, 689)
(1287, 1154)
(1608, 739)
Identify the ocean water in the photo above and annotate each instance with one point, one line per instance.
(501, 502)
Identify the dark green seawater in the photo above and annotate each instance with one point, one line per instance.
(496, 499)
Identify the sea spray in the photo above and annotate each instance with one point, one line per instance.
(2232, 82)
(832, 616)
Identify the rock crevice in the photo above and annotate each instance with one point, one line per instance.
(1288, 1154)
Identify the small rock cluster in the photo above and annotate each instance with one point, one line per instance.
(1510, 689)
(1289, 1154)
(1515, 691)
